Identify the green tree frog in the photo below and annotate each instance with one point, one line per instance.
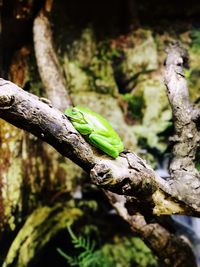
(97, 130)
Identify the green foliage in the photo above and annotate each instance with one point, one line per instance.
(128, 252)
(92, 205)
(108, 49)
(195, 36)
(86, 257)
(135, 104)
(123, 252)
(197, 160)
(34, 80)
(156, 118)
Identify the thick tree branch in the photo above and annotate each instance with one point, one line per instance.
(18, 107)
(127, 175)
(185, 178)
(173, 249)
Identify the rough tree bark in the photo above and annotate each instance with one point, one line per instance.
(184, 177)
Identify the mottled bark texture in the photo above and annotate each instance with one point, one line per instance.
(141, 190)
(184, 177)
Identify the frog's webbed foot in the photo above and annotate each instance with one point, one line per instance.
(125, 151)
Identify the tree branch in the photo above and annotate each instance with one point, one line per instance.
(47, 61)
(174, 250)
(128, 175)
(185, 178)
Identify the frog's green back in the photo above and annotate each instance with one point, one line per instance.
(100, 123)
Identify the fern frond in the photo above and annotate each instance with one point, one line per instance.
(72, 261)
(92, 245)
(86, 258)
(63, 254)
(71, 233)
(84, 255)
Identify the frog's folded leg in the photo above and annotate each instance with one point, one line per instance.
(84, 129)
(102, 143)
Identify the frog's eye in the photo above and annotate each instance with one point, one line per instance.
(74, 112)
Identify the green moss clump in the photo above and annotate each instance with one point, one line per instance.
(192, 75)
(197, 160)
(122, 252)
(135, 105)
(128, 252)
(195, 37)
(34, 82)
(157, 115)
(40, 227)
